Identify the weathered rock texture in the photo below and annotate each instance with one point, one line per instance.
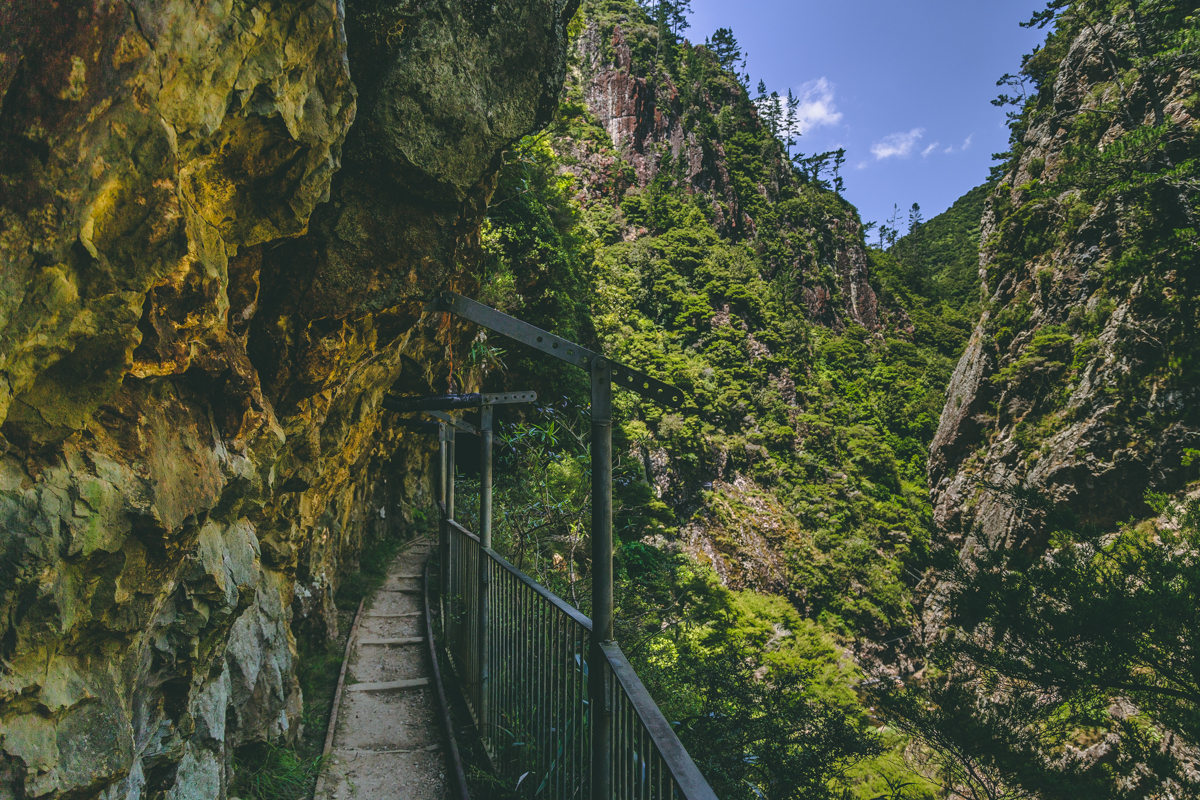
(199, 314)
(1075, 383)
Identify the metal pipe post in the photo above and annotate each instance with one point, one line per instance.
(450, 472)
(599, 696)
(443, 527)
(485, 476)
(441, 489)
(485, 540)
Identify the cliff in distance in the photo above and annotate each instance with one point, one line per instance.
(218, 227)
(1079, 383)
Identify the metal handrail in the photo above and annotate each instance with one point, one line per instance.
(538, 729)
(522, 655)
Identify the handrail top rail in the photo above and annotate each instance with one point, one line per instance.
(681, 766)
(562, 605)
(670, 749)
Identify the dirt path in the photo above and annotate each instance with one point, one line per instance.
(387, 743)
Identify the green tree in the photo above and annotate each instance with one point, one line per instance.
(914, 219)
(727, 51)
(790, 121)
(759, 736)
(1098, 638)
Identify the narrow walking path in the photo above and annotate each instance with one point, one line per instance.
(387, 741)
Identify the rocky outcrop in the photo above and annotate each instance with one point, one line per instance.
(1075, 383)
(213, 263)
(649, 129)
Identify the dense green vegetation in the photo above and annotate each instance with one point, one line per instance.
(1069, 669)
(808, 439)
(1094, 645)
(770, 540)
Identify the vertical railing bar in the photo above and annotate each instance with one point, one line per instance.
(602, 564)
(658, 765)
(545, 738)
(564, 626)
(484, 566)
(546, 694)
(526, 676)
(556, 731)
(631, 759)
(509, 717)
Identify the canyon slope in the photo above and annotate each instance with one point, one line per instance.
(1079, 384)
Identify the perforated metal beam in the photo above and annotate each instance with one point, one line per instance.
(445, 402)
(563, 349)
(458, 423)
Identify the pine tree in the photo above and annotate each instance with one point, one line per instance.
(726, 50)
(673, 15)
(773, 114)
(839, 159)
(791, 121)
(914, 218)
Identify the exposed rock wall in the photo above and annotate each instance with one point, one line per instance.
(213, 263)
(648, 126)
(1075, 383)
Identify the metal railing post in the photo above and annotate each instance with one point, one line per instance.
(599, 696)
(485, 541)
(450, 472)
(443, 528)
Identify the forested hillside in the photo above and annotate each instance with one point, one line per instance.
(778, 543)
(781, 526)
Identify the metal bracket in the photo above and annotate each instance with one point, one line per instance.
(632, 379)
(445, 402)
(458, 423)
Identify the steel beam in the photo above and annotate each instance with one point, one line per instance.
(566, 350)
(457, 423)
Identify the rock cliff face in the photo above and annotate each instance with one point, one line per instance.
(1078, 383)
(219, 224)
(651, 127)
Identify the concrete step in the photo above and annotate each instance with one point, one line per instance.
(388, 686)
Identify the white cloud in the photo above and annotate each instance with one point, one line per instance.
(861, 165)
(967, 143)
(816, 106)
(925, 153)
(897, 144)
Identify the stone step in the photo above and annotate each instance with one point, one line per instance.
(350, 751)
(388, 686)
(416, 775)
(401, 640)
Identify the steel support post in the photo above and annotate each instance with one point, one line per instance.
(485, 540)
(443, 527)
(599, 696)
(450, 472)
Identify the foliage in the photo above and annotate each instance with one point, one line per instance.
(764, 736)
(1093, 644)
(810, 434)
(271, 772)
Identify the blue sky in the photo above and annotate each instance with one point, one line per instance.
(904, 86)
